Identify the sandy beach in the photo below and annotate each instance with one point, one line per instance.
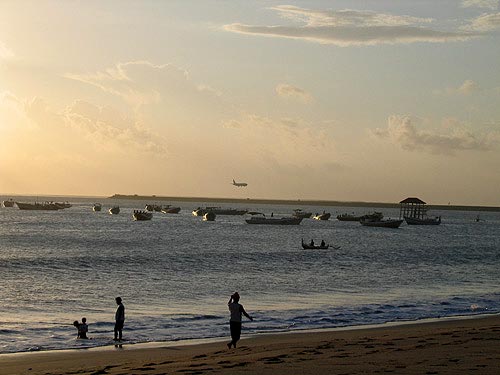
(463, 346)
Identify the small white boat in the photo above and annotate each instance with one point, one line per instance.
(139, 215)
(114, 210)
(209, 216)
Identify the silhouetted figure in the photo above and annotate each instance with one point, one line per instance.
(272, 214)
(119, 318)
(312, 242)
(82, 329)
(76, 323)
(323, 243)
(236, 311)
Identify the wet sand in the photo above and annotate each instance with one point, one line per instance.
(466, 346)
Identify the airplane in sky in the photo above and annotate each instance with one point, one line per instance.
(239, 184)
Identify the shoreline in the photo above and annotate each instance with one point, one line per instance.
(456, 345)
(300, 202)
(217, 339)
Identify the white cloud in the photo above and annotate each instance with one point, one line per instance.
(289, 91)
(5, 52)
(285, 140)
(350, 27)
(486, 22)
(486, 4)
(108, 128)
(138, 82)
(404, 131)
(468, 87)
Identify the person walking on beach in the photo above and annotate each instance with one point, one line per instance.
(236, 311)
(119, 319)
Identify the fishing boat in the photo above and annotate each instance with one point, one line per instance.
(387, 223)
(302, 214)
(45, 206)
(97, 207)
(63, 205)
(200, 211)
(312, 246)
(114, 210)
(168, 209)
(323, 216)
(352, 217)
(209, 216)
(8, 203)
(139, 215)
(423, 221)
(274, 221)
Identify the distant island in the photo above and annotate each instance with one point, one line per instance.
(298, 202)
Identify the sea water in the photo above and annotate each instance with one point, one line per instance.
(175, 273)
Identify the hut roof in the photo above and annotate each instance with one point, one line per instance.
(412, 200)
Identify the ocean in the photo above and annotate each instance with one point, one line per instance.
(175, 273)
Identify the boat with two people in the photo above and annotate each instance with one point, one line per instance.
(140, 215)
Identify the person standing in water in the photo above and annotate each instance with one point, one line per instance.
(236, 311)
(119, 318)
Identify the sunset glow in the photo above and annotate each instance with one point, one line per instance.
(334, 100)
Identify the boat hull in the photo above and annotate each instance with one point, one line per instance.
(314, 247)
(142, 216)
(219, 211)
(382, 223)
(114, 210)
(274, 221)
(8, 203)
(38, 206)
(171, 210)
(427, 221)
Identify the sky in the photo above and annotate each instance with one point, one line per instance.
(359, 100)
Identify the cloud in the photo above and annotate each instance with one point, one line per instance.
(404, 131)
(289, 91)
(5, 52)
(486, 22)
(108, 128)
(468, 87)
(285, 140)
(350, 28)
(486, 4)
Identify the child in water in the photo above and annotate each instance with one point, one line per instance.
(82, 328)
